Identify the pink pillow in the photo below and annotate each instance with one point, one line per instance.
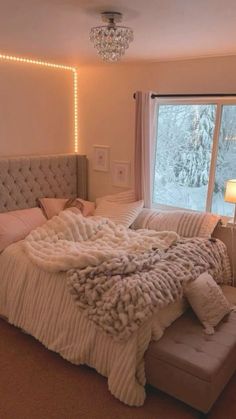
(16, 225)
(52, 206)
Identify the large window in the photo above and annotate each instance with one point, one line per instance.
(195, 153)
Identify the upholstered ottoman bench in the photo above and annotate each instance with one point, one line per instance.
(190, 365)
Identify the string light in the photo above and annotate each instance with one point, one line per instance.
(75, 76)
(13, 58)
(37, 62)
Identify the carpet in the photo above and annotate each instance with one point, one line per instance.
(36, 383)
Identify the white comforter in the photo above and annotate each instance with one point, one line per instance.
(70, 240)
(39, 303)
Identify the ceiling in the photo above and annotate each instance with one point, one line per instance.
(58, 30)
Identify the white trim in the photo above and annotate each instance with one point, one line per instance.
(214, 154)
(219, 101)
(213, 100)
(103, 164)
(121, 179)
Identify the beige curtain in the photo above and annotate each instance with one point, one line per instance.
(145, 130)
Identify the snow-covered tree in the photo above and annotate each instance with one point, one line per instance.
(192, 160)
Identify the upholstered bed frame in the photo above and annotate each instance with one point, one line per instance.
(25, 179)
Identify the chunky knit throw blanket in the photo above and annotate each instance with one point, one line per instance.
(121, 294)
(121, 277)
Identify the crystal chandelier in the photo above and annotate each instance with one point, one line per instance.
(111, 41)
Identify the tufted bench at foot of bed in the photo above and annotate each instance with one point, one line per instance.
(190, 365)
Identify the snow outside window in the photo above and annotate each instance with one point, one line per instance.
(195, 153)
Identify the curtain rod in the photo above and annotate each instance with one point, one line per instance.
(155, 95)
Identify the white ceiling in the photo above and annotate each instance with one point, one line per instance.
(58, 30)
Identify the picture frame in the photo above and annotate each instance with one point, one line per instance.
(101, 158)
(121, 174)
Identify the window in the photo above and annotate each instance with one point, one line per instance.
(195, 153)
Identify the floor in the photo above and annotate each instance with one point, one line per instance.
(38, 384)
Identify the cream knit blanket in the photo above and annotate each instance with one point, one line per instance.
(121, 294)
(70, 240)
(120, 277)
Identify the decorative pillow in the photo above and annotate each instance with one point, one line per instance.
(52, 206)
(207, 301)
(124, 214)
(86, 207)
(16, 225)
(185, 223)
(122, 197)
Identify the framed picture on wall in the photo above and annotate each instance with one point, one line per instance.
(101, 158)
(121, 173)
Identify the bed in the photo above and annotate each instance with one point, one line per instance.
(38, 302)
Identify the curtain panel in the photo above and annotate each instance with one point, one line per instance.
(145, 131)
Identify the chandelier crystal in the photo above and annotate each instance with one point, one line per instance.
(111, 41)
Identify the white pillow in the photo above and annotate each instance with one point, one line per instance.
(121, 197)
(16, 225)
(207, 301)
(185, 223)
(124, 214)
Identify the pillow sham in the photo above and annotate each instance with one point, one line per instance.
(16, 225)
(119, 213)
(125, 197)
(207, 301)
(52, 206)
(185, 223)
(86, 207)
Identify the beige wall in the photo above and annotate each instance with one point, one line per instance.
(36, 110)
(36, 105)
(106, 105)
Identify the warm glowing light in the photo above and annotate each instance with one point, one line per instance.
(230, 191)
(75, 110)
(37, 62)
(4, 57)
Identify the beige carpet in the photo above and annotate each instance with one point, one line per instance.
(38, 384)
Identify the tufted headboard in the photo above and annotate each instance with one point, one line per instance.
(25, 179)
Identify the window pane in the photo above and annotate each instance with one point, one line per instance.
(183, 154)
(226, 160)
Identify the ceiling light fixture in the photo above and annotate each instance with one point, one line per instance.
(111, 41)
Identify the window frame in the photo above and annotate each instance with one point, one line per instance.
(219, 102)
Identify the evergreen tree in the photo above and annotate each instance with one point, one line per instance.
(193, 159)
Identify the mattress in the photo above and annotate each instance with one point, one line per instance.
(39, 303)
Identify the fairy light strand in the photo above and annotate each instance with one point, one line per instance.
(75, 79)
(12, 58)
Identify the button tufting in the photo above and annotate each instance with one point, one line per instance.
(21, 181)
